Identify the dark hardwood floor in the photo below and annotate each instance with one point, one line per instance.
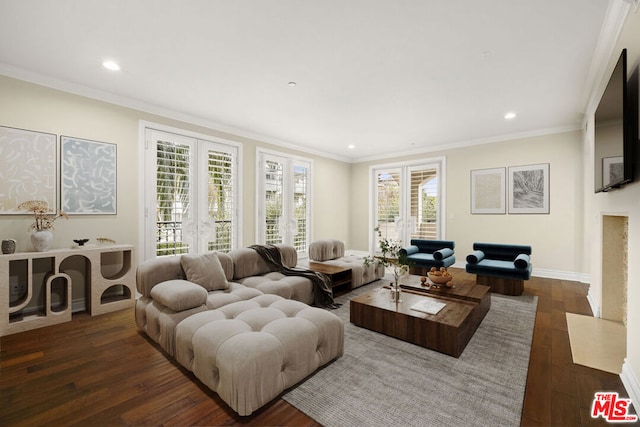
(101, 371)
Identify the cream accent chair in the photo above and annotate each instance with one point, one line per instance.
(332, 252)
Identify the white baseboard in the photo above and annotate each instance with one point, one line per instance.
(547, 273)
(561, 275)
(631, 383)
(594, 303)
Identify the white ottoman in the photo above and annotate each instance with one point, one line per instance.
(251, 351)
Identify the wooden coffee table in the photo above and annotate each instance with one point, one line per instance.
(340, 276)
(448, 331)
(465, 291)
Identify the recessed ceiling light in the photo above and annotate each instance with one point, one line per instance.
(351, 147)
(510, 115)
(111, 65)
(292, 84)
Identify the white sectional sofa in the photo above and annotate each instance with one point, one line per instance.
(332, 252)
(244, 330)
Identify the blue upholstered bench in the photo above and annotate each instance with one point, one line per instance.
(424, 254)
(503, 267)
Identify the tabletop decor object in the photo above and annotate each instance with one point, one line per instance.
(41, 234)
(391, 258)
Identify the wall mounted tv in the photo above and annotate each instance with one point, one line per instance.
(616, 130)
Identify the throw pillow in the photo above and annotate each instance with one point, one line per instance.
(443, 253)
(522, 261)
(179, 295)
(205, 270)
(475, 257)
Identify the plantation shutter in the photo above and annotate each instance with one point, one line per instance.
(220, 199)
(301, 205)
(274, 190)
(284, 183)
(191, 201)
(408, 202)
(388, 206)
(173, 196)
(423, 221)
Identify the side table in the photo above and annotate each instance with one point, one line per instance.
(340, 276)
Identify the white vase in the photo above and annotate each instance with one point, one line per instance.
(41, 239)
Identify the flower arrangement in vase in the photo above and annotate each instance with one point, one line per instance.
(41, 234)
(392, 258)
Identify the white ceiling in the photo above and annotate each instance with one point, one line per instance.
(388, 76)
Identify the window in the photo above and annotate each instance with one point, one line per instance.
(408, 201)
(284, 200)
(191, 194)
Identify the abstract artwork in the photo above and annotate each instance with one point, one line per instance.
(89, 180)
(529, 189)
(27, 168)
(612, 170)
(488, 192)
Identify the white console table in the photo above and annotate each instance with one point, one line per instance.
(108, 269)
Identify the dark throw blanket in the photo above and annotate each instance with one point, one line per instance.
(322, 294)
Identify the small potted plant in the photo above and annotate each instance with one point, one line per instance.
(41, 234)
(392, 258)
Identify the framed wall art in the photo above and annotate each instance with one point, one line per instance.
(529, 189)
(28, 168)
(488, 192)
(612, 170)
(89, 177)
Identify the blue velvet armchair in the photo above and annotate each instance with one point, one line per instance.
(503, 267)
(424, 254)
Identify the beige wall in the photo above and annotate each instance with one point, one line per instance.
(556, 238)
(29, 106)
(625, 202)
(565, 243)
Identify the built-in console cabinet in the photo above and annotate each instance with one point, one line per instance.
(36, 287)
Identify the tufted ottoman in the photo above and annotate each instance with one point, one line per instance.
(251, 351)
(332, 252)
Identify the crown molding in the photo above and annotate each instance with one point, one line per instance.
(472, 142)
(134, 104)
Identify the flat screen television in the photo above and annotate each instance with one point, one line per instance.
(616, 130)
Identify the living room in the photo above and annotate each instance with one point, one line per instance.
(567, 242)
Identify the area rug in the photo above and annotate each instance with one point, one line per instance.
(382, 381)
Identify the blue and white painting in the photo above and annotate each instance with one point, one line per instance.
(89, 180)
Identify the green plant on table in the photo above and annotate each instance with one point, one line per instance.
(391, 257)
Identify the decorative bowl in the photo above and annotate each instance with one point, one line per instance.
(439, 279)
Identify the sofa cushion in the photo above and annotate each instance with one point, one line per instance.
(409, 250)
(247, 262)
(430, 246)
(420, 257)
(179, 295)
(441, 254)
(475, 257)
(499, 268)
(522, 261)
(205, 270)
(502, 251)
(157, 270)
(325, 250)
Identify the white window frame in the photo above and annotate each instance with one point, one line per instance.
(261, 156)
(147, 186)
(405, 169)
